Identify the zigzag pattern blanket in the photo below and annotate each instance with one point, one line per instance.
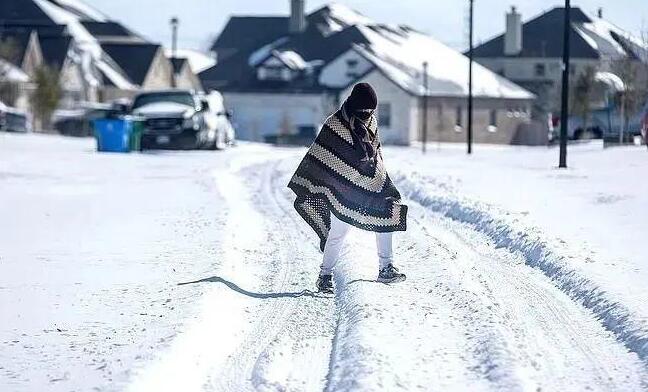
(335, 178)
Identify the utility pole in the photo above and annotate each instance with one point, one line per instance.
(470, 79)
(425, 105)
(174, 46)
(564, 110)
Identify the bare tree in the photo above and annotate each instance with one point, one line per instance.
(46, 95)
(633, 70)
(582, 95)
(8, 89)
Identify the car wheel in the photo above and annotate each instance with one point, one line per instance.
(219, 142)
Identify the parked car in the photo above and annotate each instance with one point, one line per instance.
(604, 124)
(182, 119)
(14, 120)
(79, 122)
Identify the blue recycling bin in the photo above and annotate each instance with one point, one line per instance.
(113, 134)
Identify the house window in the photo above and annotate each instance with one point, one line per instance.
(273, 73)
(540, 70)
(352, 63)
(384, 115)
(492, 122)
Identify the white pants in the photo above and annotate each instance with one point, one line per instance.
(335, 240)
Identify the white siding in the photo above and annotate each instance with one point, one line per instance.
(344, 69)
(257, 115)
(402, 104)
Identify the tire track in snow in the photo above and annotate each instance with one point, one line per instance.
(551, 342)
(288, 346)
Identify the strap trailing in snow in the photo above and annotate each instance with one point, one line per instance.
(336, 176)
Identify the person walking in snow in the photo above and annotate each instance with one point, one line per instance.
(342, 182)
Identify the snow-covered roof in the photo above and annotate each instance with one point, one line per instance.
(88, 52)
(12, 73)
(198, 61)
(333, 30)
(336, 17)
(399, 53)
(613, 81)
(291, 59)
(592, 38)
(261, 54)
(610, 40)
(83, 10)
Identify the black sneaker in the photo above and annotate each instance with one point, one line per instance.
(390, 274)
(325, 284)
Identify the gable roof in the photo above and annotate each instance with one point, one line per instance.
(55, 50)
(396, 51)
(178, 64)
(542, 36)
(24, 11)
(321, 42)
(134, 59)
(245, 32)
(399, 54)
(18, 43)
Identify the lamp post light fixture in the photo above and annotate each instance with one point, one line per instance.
(174, 46)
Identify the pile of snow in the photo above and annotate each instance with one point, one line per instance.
(400, 53)
(516, 199)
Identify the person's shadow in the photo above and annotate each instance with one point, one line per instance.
(238, 289)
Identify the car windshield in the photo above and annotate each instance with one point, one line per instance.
(176, 97)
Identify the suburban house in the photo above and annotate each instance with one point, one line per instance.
(285, 75)
(58, 52)
(22, 56)
(530, 54)
(97, 59)
(144, 65)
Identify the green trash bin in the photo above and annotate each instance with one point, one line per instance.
(135, 141)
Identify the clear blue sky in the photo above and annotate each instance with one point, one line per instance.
(201, 20)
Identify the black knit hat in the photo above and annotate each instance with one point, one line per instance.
(362, 97)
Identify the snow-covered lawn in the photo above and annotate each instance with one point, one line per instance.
(190, 271)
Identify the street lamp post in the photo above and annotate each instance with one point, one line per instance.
(425, 105)
(470, 79)
(174, 45)
(564, 110)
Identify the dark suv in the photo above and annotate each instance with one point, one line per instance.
(174, 119)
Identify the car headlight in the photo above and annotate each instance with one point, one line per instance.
(191, 123)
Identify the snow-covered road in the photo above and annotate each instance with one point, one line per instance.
(190, 271)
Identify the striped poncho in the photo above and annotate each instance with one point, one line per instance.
(335, 177)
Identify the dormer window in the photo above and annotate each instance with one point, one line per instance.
(281, 66)
(273, 72)
(352, 63)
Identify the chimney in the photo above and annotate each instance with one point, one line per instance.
(297, 17)
(513, 34)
